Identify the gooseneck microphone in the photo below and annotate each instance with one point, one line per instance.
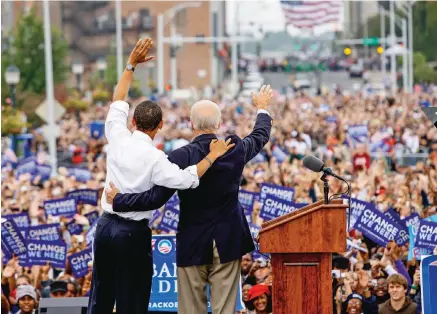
(315, 164)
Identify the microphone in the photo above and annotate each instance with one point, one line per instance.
(315, 164)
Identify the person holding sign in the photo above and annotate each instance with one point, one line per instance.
(122, 246)
(213, 233)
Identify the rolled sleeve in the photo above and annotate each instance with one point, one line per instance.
(193, 171)
(263, 111)
(116, 121)
(120, 105)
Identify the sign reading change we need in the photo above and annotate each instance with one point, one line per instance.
(274, 207)
(61, 207)
(282, 192)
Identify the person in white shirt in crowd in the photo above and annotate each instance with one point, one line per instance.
(122, 264)
(26, 299)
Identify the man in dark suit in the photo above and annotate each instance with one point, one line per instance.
(213, 233)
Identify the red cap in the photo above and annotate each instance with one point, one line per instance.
(257, 291)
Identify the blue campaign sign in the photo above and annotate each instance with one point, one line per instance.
(12, 239)
(174, 200)
(357, 207)
(377, 227)
(92, 216)
(27, 165)
(247, 199)
(21, 219)
(74, 228)
(79, 262)
(47, 232)
(164, 285)
(97, 129)
(170, 218)
(274, 207)
(428, 284)
(282, 192)
(90, 234)
(61, 207)
(43, 171)
(81, 174)
(426, 235)
(412, 220)
(358, 133)
(86, 196)
(392, 214)
(414, 252)
(40, 252)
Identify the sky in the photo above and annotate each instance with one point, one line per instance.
(265, 12)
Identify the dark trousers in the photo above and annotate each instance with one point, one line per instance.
(122, 266)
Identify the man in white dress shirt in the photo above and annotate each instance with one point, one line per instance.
(123, 266)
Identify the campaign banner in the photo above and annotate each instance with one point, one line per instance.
(358, 133)
(81, 174)
(280, 154)
(79, 262)
(44, 171)
(12, 238)
(156, 215)
(92, 216)
(357, 207)
(426, 235)
(47, 232)
(281, 192)
(40, 252)
(27, 165)
(247, 200)
(90, 234)
(254, 230)
(61, 207)
(415, 252)
(428, 284)
(163, 297)
(170, 219)
(377, 227)
(393, 215)
(412, 220)
(20, 219)
(74, 228)
(7, 255)
(174, 200)
(97, 129)
(274, 207)
(86, 196)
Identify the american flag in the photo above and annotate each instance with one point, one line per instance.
(308, 14)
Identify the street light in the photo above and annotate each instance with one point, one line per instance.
(78, 71)
(12, 77)
(101, 66)
(169, 14)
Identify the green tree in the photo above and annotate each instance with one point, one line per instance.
(27, 53)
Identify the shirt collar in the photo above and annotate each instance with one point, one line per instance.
(201, 137)
(142, 136)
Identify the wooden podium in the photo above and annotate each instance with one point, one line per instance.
(301, 244)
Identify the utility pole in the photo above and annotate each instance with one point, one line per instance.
(393, 42)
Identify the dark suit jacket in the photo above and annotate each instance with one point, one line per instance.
(212, 210)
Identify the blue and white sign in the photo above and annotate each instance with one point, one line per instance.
(164, 296)
(274, 207)
(21, 219)
(358, 133)
(247, 199)
(170, 219)
(40, 252)
(91, 233)
(92, 216)
(47, 232)
(427, 235)
(74, 228)
(27, 165)
(12, 239)
(86, 196)
(281, 192)
(65, 207)
(357, 207)
(81, 174)
(79, 262)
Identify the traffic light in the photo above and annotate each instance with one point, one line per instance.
(380, 50)
(168, 87)
(347, 51)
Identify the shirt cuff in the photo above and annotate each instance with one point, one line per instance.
(390, 270)
(263, 111)
(121, 105)
(193, 171)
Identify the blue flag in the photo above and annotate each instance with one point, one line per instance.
(79, 262)
(281, 192)
(61, 207)
(170, 219)
(40, 252)
(12, 239)
(164, 283)
(47, 232)
(274, 207)
(86, 196)
(377, 227)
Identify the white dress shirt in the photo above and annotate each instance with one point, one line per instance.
(135, 165)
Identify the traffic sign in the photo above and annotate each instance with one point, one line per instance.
(42, 110)
(371, 41)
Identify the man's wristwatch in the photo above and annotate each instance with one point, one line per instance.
(130, 67)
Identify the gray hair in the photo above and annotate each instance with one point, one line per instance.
(205, 115)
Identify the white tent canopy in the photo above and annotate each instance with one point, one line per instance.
(397, 50)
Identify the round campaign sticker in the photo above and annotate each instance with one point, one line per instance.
(164, 246)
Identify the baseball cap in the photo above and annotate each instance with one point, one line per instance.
(257, 291)
(24, 290)
(58, 286)
(354, 296)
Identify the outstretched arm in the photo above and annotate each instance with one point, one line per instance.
(255, 141)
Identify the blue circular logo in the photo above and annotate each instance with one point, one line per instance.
(165, 246)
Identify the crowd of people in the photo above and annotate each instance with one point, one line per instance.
(392, 163)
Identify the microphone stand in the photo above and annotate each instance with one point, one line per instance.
(325, 187)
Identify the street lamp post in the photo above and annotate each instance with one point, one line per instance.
(101, 66)
(12, 78)
(78, 71)
(170, 13)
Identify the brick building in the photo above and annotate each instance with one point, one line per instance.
(89, 28)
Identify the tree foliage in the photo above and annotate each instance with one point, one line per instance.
(26, 51)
